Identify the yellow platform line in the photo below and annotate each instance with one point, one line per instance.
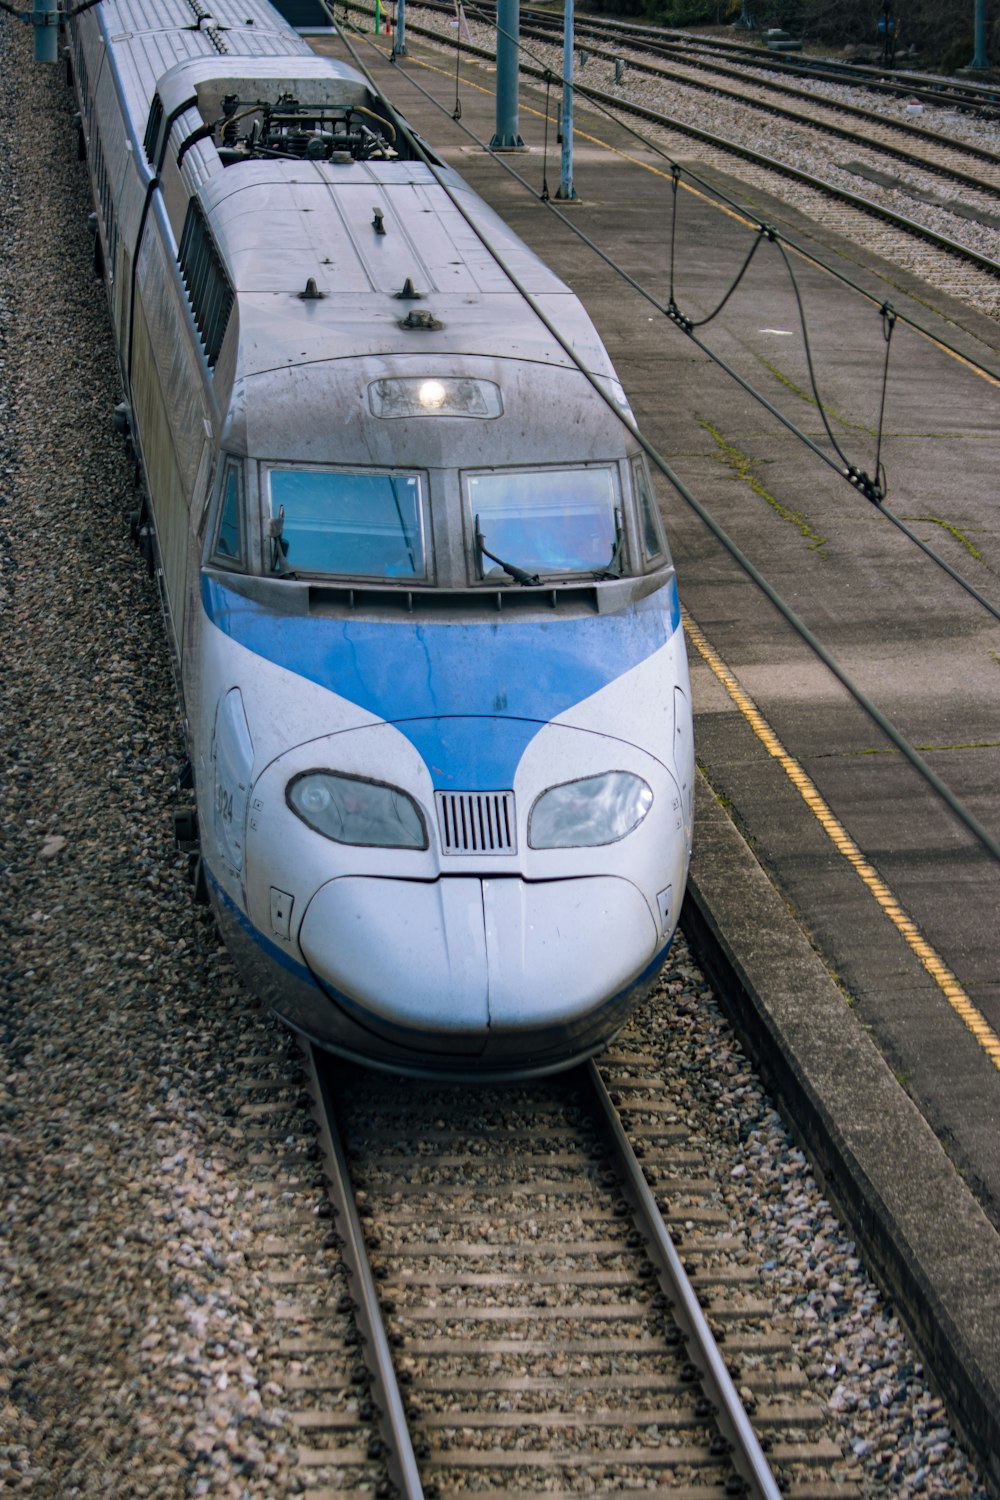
(845, 845)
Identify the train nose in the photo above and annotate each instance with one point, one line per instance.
(405, 958)
(467, 966)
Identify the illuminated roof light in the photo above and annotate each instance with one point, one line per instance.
(432, 393)
(435, 396)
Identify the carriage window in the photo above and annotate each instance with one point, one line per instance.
(546, 521)
(652, 540)
(230, 534)
(364, 525)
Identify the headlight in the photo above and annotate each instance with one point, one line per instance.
(351, 810)
(595, 810)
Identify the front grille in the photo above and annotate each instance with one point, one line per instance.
(476, 822)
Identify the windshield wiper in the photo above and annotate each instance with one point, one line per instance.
(279, 547)
(511, 569)
(616, 562)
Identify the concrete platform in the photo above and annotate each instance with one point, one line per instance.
(848, 919)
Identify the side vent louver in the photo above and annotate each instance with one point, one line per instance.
(476, 822)
(208, 286)
(152, 136)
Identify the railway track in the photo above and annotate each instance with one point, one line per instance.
(943, 155)
(979, 98)
(527, 1322)
(960, 257)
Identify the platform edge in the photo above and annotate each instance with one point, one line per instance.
(923, 1235)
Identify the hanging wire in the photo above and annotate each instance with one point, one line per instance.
(888, 327)
(764, 232)
(456, 113)
(675, 182)
(545, 141)
(857, 476)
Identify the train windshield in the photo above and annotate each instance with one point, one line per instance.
(545, 521)
(366, 525)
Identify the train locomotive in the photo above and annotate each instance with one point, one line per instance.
(421, 603)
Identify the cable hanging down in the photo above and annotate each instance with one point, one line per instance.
(605, 106)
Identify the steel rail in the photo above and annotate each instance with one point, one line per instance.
(728, 1412)
(932, 87)
(841, 132)
(746, 1454)
(898, 82)
(400, 1459)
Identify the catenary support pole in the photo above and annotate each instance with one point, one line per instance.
(507, 137)
(980, 60)
(399, 35)
(566, 190)
(45, 20)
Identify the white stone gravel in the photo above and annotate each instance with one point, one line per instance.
(880, 1408)
(137, 1319)
(137, 1328)
(975, 130)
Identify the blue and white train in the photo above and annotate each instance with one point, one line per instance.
(424, 612)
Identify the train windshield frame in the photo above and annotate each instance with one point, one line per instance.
(346, 523)
(559, 521)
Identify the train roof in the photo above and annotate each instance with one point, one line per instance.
(147, 40)
(393, 265)
(209, 79)
(355, 233)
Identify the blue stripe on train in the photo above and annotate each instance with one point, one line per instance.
(437, 682)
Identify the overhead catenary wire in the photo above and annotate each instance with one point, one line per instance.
(872, 490)
(972, 824)
(607, 106)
